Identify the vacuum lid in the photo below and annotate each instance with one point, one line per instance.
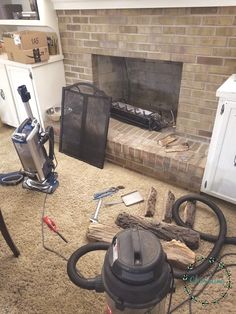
(135, 270)
(135, 256)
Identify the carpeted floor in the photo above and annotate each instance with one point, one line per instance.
(37, 281)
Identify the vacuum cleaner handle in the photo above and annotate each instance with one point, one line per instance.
(74, 274)
(48, 135)
(25, 97)
(50, 132)
(24, 94)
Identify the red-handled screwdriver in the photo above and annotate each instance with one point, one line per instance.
(51, 224)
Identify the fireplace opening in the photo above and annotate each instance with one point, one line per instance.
(144, 92)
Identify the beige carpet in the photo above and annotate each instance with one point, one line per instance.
(37, 281)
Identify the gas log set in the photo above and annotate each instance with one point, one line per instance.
(142, 118)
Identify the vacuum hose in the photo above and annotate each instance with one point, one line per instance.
(97, 284)
(76, 277)
(219, 240)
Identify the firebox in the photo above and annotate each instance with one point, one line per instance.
(144, 92)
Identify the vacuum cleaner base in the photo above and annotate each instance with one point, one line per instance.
(48, 186)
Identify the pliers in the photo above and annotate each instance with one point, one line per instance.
(107, 192)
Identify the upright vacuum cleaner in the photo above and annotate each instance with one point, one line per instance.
(38, 166)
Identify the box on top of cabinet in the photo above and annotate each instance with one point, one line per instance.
(26, 46)
(2, 49)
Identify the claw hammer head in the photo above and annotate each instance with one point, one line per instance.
(93, 220)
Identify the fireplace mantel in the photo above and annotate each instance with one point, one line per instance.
(126, 4)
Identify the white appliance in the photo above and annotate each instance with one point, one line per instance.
(220, 173)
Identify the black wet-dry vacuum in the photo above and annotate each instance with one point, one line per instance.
(136, 276)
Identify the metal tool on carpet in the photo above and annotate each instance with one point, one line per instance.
(128, 199)
(94, 217)
(99, 196)
(107, 192)
(52, 226)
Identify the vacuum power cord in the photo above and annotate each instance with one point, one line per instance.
(43, 236)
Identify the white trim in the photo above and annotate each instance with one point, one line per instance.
(126, 4)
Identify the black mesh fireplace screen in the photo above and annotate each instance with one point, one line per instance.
(84, 123)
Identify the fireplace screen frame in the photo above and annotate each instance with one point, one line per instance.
(91, 110)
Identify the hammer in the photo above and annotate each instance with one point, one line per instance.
(94, 218)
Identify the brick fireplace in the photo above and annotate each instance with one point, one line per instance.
(201, 40)
(148, 84)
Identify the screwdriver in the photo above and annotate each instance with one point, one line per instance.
(51, 224)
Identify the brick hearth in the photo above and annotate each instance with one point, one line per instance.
(138, 149)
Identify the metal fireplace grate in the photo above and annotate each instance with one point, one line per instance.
(142, 118)
(84, 123)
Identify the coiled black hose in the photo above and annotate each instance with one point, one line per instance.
(85, 283)
(219, 240)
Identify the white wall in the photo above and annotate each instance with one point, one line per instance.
(116, 4)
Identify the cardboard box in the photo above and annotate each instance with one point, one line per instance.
(2, 49)
(26, 46)
(52, 40)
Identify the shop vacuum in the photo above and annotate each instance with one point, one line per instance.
(136, 276)
(38, 165)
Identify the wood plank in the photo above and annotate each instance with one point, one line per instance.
(167, 140)
(177, 148)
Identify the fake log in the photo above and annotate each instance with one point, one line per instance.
(167, 140)
(151, 202)
(178, 254)
(170, 199)
(177, 148)
(101, 232)
(189, 213)
(162, 230)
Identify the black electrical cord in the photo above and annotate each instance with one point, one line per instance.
(43, 237)
(171, 289)
(216, 270)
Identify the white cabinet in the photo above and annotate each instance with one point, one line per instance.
(8, 111)
(43, 80)
(22, 76)
(220, 173)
